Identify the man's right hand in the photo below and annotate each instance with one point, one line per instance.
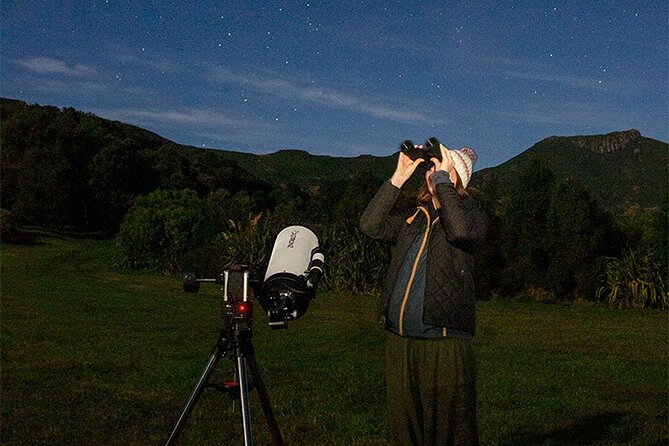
(405, 168)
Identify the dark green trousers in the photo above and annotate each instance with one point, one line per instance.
(431, 391)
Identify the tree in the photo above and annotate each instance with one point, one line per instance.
(161, 227)
(490, 260)
(119, 172)
(578, 232)
(358, 191)
(43, 194)
(523, 226)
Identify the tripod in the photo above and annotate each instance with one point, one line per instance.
(235, 341)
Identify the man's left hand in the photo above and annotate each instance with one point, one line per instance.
(446, 163)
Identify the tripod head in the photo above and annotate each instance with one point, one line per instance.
(236, 283)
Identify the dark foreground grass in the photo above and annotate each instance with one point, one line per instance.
(96, 355)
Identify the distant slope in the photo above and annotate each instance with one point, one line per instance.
(285, 166)
(301, 168)
(622, 169)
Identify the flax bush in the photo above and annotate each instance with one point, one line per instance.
(634, 281)
(248, 244)
(354, 262)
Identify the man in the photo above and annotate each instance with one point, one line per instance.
(428, 301)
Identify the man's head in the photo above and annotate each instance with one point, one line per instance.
(463, 162)
(460, 174)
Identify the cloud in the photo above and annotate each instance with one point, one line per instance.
(188, 116)
(263, 141)
(49, 65)
(79, 87)
(322, 96)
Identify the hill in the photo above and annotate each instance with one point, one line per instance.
(282, 167)
(548, 232)
(64, 168)
(622, 169)
(301, 168)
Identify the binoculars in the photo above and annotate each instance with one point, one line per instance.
(426, 152)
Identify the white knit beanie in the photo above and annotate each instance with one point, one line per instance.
(463, 161)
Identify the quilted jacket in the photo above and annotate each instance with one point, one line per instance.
(451, 239)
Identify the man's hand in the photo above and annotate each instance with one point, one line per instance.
(446, 163)
(405, 168)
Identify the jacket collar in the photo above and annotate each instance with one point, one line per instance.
(428, 210)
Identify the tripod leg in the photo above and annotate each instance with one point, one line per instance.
(195, 395)
(244, 400)
(275, 432)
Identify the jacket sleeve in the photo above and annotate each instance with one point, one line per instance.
(376, 220)
(461, 219)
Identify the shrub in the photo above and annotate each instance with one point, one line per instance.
(161, 227)
(635, 281)
(249, 244)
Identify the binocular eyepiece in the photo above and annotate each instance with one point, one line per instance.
(429, 150)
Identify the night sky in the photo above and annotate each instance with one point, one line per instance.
(346, 78)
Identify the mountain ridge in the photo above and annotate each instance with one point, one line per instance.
(607, 143)
(623, 169)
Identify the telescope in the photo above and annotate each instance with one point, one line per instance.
(289, 284)
(293, 271)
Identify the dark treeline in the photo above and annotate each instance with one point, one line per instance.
(70, 170)
(176, 208)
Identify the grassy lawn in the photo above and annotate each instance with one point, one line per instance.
(96, 355)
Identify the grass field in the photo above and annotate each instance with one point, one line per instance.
(96, 355)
